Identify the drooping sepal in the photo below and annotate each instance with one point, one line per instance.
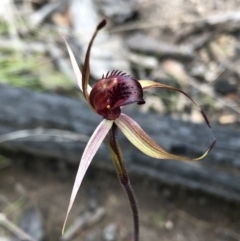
(113, 91)
(144, 143)
(88, 154)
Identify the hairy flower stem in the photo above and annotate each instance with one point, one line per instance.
(133, 203)
(123, 177)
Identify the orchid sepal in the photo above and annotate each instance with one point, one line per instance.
(92, 146)
(135, 134)
(76, 69)
(86, 67)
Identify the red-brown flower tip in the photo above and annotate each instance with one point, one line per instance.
(102, 24)
(114, 90)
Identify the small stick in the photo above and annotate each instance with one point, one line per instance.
(85, 220)
(41, 134)
(14, 229)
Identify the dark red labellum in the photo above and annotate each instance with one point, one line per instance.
(113, 91)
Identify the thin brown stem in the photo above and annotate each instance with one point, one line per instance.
(123, 178)
(133, 202)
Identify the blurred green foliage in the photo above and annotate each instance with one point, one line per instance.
(30, 70)
(3, 28)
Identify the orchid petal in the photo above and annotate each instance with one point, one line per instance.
(113, 91)
(144, 143)
(146, 84)
(88, 154)
(86, 68)
(76, 69)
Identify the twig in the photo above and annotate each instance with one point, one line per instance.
(148, 62)
(181, 75)
(140, 42)
(193, 220)
(14, 229)
(210, 20)
(223, 22)
(85, 220)
(39, 16)
(44, 135)
(13, 206)
(11, 20)
(204, 89)
(24, 46)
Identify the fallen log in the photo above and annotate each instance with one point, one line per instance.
(52, 126)
(148, 45)
(225, 22)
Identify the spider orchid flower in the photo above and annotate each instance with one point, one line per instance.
(107, 97)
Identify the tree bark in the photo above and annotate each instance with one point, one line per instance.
(53, 126)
